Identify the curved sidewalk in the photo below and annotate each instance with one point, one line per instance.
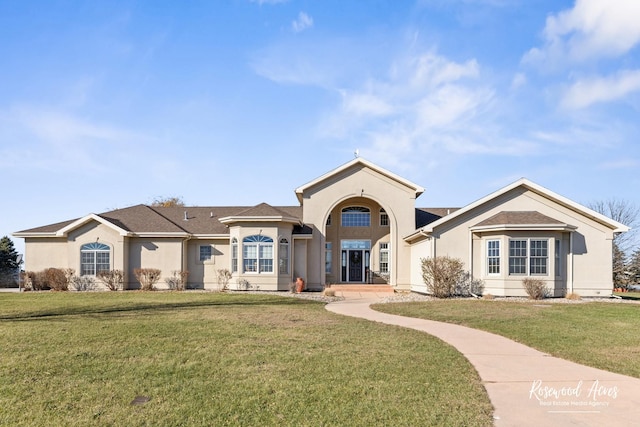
(526, 387)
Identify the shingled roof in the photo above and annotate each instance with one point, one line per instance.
(197, 220)
(519, 218)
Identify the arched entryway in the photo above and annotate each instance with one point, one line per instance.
(358, 240)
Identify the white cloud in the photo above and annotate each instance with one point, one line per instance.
(519, 80)
(586, 92)
(619, 164)
(302, 23)
(365, 104)
(53, 139)
(591, 29)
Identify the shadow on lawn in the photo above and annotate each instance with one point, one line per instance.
(158, 306)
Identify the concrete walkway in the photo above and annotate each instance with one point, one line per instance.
(526, 387)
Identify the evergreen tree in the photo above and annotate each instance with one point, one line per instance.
(8, 263)
(634, 267)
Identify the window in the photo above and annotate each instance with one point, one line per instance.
(328, 254)
(356, 216)
(539, 256)
(384, 258)
(493, 256)
(557, 258)
(328, 223)
(517, 257)
(94, 258)
(234, 255)
(536, 257)
(205, 253)
(384, 218)
(257, 254)
(283, 257)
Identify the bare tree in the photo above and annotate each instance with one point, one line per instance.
(167, 202)
(624, 243)
(624, 212)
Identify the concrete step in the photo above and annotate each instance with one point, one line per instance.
(362, 288)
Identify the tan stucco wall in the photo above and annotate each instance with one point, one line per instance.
(359, 182)
(203, 274)
(164, 254)
(591, 263)
(263, 281)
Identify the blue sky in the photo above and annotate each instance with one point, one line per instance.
(107, 104)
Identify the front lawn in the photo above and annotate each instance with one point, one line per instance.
(221, 359)
(599, 334)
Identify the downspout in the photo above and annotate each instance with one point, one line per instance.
(185, 253)
(471, 253)
(570, 266)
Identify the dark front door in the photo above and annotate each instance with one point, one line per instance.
(355, 266)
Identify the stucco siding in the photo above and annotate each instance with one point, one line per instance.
(360, 184)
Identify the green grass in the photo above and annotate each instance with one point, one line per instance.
(78, 359)
(628, 295)
(602, 335)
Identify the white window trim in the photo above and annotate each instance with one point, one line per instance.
(528, 257)
(258, 245)
(211, 260)
(487, 257)
(386, 250)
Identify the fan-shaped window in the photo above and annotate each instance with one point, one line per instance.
(257, 254)
(94, 258)
(356, 216)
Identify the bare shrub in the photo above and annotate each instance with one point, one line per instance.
(56, 279)
(83, 283)
(329, 292)
(243, 285)
(535, 288)
(147, 277)
(112, 279)
(573, 296)
(223, 275)
(441, 275)
(468, 286)
(178, 280)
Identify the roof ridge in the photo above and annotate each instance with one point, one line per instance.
(167, 219)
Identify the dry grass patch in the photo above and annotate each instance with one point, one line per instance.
(222, 359)
(585, 333)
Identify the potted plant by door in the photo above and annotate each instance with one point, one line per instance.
(299, 284)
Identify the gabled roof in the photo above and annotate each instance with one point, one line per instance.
(531, 186)
(514, 220)
(362, 162)
(263, 213)
(143, 220)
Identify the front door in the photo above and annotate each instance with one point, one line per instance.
(355, 264)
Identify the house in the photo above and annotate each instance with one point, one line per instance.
(356, 224)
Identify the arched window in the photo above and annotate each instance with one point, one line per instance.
(234, 255)
(356, 216)
(257, 254)
(283, 256)
(94, 258)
